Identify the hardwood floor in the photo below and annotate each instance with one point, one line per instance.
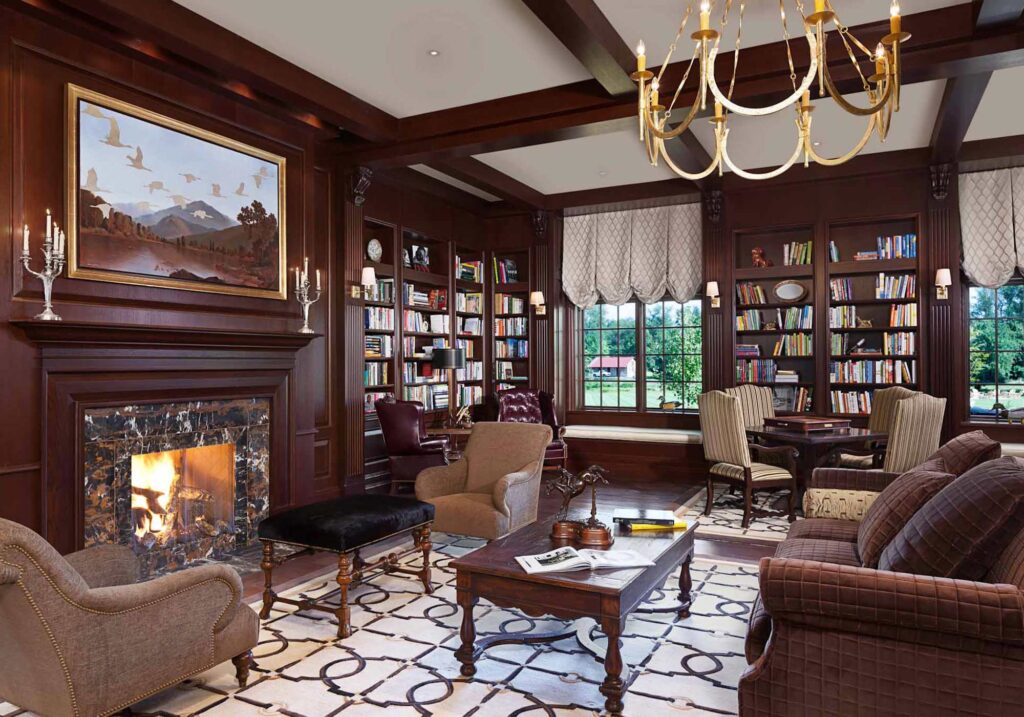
(653, 494)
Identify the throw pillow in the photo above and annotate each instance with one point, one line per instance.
(893, 507)
(966, 451)
(964, 528)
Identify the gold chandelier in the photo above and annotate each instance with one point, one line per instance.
(882, 88)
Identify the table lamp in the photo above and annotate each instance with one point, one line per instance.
(450, 360)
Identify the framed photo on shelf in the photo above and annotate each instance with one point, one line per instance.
(420, 257)
(153, 201)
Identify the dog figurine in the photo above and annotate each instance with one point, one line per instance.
(759, 259)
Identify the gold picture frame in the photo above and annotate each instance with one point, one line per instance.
(95, 104)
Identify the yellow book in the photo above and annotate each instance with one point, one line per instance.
(679, 525)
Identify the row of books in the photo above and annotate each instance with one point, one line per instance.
(900, 246)
(851, 401)
(903, 286)
(793, 398)
(376, 373)
(468, 347)
(795, 317)
(787, 375)
(469, 270)
(378, 318)
(469, 302)
(903, 315)
(433, 397)
(748, 350)
(506, 371)
(411, 350)
(378, 346)
(842, 317)
(470, 395)
(474, 371)
(470, 325)
(882, 371)
(383, 291)
(796, 252)
(501, 386)
(414, 372)
(426, 323)
(897, 343)
(841, 289)
(748, 292)
(509, 304)
(431, 299)
(512, 348)
(794, 345)
(755, 371)
(505, 271)
(833, 250)
(510, 327)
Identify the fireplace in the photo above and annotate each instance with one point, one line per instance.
(180, 483)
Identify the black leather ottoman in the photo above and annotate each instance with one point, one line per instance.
(345, 526)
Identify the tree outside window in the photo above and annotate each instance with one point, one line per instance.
(996, 352)
(609, 356)
(672, 349)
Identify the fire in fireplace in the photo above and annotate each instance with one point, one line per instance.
(183, 496)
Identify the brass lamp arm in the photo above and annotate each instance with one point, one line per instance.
(763, 175)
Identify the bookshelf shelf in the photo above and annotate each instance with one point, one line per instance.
(772, 332)
(839, 268)
(875, 384)
(774, 305)
(380, 316)
(424, 309)
(873, 302)
(797, 271)
(870, 329)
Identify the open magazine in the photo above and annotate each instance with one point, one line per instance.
(564, 559)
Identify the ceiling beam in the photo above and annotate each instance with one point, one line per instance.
(484, 176)
(962, 95)
(590, 37)
(944, 45)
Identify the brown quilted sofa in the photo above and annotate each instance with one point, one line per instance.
(919, 609)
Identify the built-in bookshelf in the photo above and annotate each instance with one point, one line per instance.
(873, 310)
(775, 330)
(380, 314)
(510, 283)
(426, 319)
(470, 268)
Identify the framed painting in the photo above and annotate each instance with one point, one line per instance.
(156, 202)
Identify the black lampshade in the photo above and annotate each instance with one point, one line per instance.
(448, 358)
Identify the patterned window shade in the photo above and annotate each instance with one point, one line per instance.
(615, 256)
(987, 204)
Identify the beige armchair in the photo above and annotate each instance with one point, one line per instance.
(494, 489)
(78, 636)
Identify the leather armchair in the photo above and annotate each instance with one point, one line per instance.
(527, 405)
(494, 489)
(410, 450)
(81, 637)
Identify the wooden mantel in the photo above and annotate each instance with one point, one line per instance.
(97, 334)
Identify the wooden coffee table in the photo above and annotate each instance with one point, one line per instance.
(607, 596)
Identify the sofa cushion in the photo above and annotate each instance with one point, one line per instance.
(469, 514)
(824, 529)
(1009, 566)
(824, 551)
(837, 503)
(893, 507)
(966, 451)
(759, 629)
(965, 527)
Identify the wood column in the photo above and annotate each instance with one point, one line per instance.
(717, 350)
(947, 359)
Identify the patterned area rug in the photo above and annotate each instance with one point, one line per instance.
(770, 520)
(400, 660)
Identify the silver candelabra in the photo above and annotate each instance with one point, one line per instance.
(302, 291)
(53, 264)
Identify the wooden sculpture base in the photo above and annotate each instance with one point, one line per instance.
(597, 536)
(565, 532)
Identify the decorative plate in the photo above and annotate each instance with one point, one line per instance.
(789, 291)
(374, 250)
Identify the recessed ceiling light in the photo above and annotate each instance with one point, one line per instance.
(816, 144)
(602, 172)
(433, 53)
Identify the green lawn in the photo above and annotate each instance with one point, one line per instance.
(610, 395)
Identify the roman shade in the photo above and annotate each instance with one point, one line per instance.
(642, 253)
(992, 225)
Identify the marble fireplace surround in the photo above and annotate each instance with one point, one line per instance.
(112, 435)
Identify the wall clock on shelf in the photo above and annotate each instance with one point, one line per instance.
(374, 250)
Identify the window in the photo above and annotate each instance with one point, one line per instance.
(662, 364)
(996, 352)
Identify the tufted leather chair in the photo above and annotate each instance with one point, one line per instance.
(409, 448)
(527, 405)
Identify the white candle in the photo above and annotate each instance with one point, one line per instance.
(296, 277)
(55, 234)
(24, 240)
(318, 280)
(63, 241)
(305, 268)
(49, 224)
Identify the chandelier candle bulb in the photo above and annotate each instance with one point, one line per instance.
(894, 18)
(718, 110)
(641, 57)
(705, 14)
(24, 240)
(654, 92)
(819, 6)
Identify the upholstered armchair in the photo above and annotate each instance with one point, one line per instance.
(729, 454)
(494, 489)
(880, 420)
(81, 637)
(756, 403)
(526, 405)
(410, 450)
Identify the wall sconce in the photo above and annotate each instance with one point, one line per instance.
(712, 293)
(537, 302)
(368, 280)
(943, 280)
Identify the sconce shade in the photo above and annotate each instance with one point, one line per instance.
(943, 277)
(537, 298)
(369, 277)
(448, 358)
(712, 289)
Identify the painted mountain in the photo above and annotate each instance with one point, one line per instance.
(197, 214)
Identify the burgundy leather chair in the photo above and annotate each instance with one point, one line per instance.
(527, 405)
(409, 448)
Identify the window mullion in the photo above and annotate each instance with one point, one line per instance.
(640, 337)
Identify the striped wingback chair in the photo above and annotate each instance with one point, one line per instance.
(756, 403)
(916, 429)
(883, 411)
(727, 450)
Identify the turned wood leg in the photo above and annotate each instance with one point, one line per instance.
(343, 613)
(685, 586)
(748, 503)
(242, 664)
(710, 498)
(467, 650)
(267, 565)
(792, 501)
(422, 538)
(613, 687)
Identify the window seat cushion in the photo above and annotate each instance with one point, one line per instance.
(630, 433)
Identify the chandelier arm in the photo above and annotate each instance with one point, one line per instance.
(678, 130)
(763, 175)
(836, 161)
(771, 109)
(853, 109)
(687, 175)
